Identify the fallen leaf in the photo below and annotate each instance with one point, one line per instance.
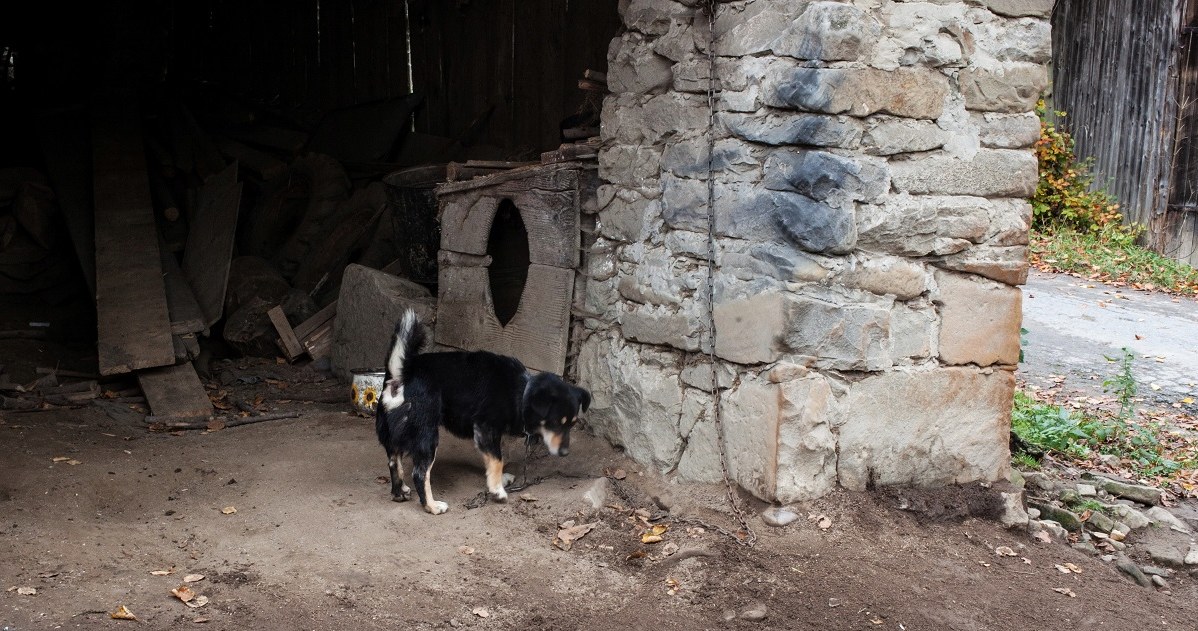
(193, 578)
(824, 522)
(465, 550)
(1004, 551)
(1062, 569)
(1065, 590)
(637, 554)
(197, 602)
(1026, 561)
(228, 510)
(568, 535)
(183, 593)
(74, 462)
(122, 613)
(481, 612)
(659, 529)
(983, 564)
(215, 425)
(527, 497)
(1154, 386)
(1043, 536)
(1073, 568)
(1188, 400)
(648, 538)
(27, 591)
(162, 572)
(60, 459)
(1118, 535)
(199, 620)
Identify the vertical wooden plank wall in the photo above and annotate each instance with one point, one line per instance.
(520, 58)
(1113, 75)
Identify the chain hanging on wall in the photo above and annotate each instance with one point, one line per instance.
(716, 409)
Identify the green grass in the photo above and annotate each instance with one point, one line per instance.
(1112, 260)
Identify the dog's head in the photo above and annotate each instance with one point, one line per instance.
(551, 408)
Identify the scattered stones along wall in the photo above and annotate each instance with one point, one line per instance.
(872, 164)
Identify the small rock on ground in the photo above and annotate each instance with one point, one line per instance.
(1163, 517)
(1166, 554)
(1087, 490)
(597, 493)
(1158, 581)
(778, 517)
(1192, 557)
(1128, 567)
(756, 611)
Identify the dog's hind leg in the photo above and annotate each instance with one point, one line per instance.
(399, 491)
(422, 467)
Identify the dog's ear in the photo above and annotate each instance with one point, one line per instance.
(535, 403)
(584, 398)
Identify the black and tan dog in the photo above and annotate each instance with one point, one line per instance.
(476, 395)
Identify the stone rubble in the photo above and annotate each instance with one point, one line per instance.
(1156, 532)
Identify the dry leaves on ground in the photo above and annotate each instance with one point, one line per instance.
(570, 533)
(122, 613)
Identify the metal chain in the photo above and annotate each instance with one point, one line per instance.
(480, 500)
(750, 536)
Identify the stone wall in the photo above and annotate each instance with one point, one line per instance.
(872, 166)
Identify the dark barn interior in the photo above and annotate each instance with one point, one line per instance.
(246, 153)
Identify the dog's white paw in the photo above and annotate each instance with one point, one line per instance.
(499, 494)
(508, 479)
(436, 508)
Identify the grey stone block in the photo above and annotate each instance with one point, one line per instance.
(829, 31)
(368, 306)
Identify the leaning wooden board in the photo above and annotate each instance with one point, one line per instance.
(133, 325)
(175, 392)
(210, 242)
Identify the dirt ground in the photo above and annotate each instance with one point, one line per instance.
(315, 542)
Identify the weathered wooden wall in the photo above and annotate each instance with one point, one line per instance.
(521, 57)
(1116, 73)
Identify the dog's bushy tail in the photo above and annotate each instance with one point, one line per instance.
(408, 340)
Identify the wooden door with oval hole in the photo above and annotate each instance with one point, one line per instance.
(510, 253)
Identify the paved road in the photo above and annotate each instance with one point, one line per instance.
(1072, 324)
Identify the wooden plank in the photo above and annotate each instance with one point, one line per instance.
(133, 324)
(291, 346)
(210, 242)
(319, 343)
(265, 165)
(63, 138)
(185, 314)
(175, 392)
(537, 335)
(305, 328)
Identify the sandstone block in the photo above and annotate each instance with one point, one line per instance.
(886, 137)
(926, 428)
(369, 304)
(806, 461)
(829, 31)
(1014, 88)
(906, 92)
(748, 29)
(840, 336)
(922, 225)
(789, 128)
(637, 119)
(979, 320)
(821, 176)
(652, 324)
(1006, 265)
(749, 331)
(632, 166)
(1007, 131)
(733, 159)
(1020, 8)
(632, 66)
(990, 173)
(654, 17)
(885, 276)
(808, 224)
(912, 332)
